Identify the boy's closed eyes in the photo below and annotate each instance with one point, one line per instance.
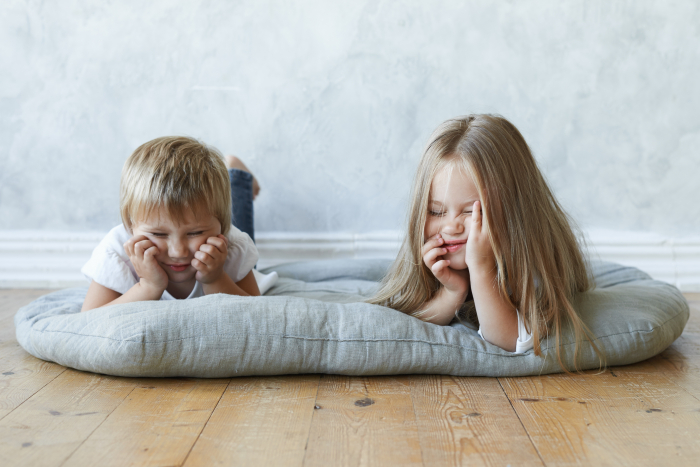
(186, 250)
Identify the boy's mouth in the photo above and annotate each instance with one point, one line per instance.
(454, 245)
(178, 267)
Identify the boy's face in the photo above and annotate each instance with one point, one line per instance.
(178, 242)
(452, 196)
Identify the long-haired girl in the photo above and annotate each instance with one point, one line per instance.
(487, 237)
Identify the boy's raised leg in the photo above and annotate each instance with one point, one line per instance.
(244, 188)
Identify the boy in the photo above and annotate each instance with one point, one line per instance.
(176, 240)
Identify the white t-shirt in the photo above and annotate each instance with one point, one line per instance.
(111, 267)
(525, 341)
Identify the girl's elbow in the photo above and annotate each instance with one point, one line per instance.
(505, 342)
(440, 320)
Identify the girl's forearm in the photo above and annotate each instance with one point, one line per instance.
(442, 308)
(498, 319)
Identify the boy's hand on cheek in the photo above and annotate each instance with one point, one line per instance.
(209, 260)
(142, 253)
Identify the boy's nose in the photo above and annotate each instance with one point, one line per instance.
(177, 249)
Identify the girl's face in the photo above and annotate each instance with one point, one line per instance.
(178, 242)
(452, 197)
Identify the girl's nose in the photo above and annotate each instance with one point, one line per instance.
(453, 226)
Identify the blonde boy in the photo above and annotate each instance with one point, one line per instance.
(176, 240)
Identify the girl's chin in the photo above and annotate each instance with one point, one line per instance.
(457, 264)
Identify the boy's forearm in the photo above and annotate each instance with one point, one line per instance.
(224, 285)
(137, 293)
(442, 308)
(497, 317)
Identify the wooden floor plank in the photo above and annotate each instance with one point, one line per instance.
(680, 363)
(464, 421)
(259, 421)
(21, 375)
(156, 425)
(53, 423)
(608, 419)
(364, 421)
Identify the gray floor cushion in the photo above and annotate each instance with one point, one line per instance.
(314, 321)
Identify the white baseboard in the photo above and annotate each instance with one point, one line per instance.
(38, 259)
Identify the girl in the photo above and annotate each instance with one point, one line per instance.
(487, 237)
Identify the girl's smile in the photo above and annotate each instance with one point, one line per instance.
(454, 246)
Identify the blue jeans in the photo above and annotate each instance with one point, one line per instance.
(242, 201)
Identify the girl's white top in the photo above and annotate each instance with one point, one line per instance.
(111, 267)
(525, 341)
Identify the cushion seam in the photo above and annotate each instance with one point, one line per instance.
(284, 336)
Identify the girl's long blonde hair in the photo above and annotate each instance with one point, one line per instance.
(540, 264)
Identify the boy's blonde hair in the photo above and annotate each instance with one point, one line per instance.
(176, 173)
(540, 265)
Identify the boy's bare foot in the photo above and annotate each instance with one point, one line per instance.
(232, 162)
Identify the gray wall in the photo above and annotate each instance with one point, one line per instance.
(330, 103)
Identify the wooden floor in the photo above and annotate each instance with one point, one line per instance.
(643, 414)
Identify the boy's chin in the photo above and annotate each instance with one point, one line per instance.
(181, 277)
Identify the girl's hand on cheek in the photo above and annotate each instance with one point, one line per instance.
(209, 260)
(142, 253)
(479, 254)
(453, 280)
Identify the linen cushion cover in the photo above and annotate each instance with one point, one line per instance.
(314, 321)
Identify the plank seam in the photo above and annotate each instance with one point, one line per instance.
(415, 416)
(37, 391)
(184, 461)
(521, 423)
(313, 415)
(99, 425)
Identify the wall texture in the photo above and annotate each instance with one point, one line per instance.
(330, 103)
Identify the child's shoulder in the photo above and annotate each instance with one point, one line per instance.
(115, 239)
(109, 265)
(238, 238)
(242, 254)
